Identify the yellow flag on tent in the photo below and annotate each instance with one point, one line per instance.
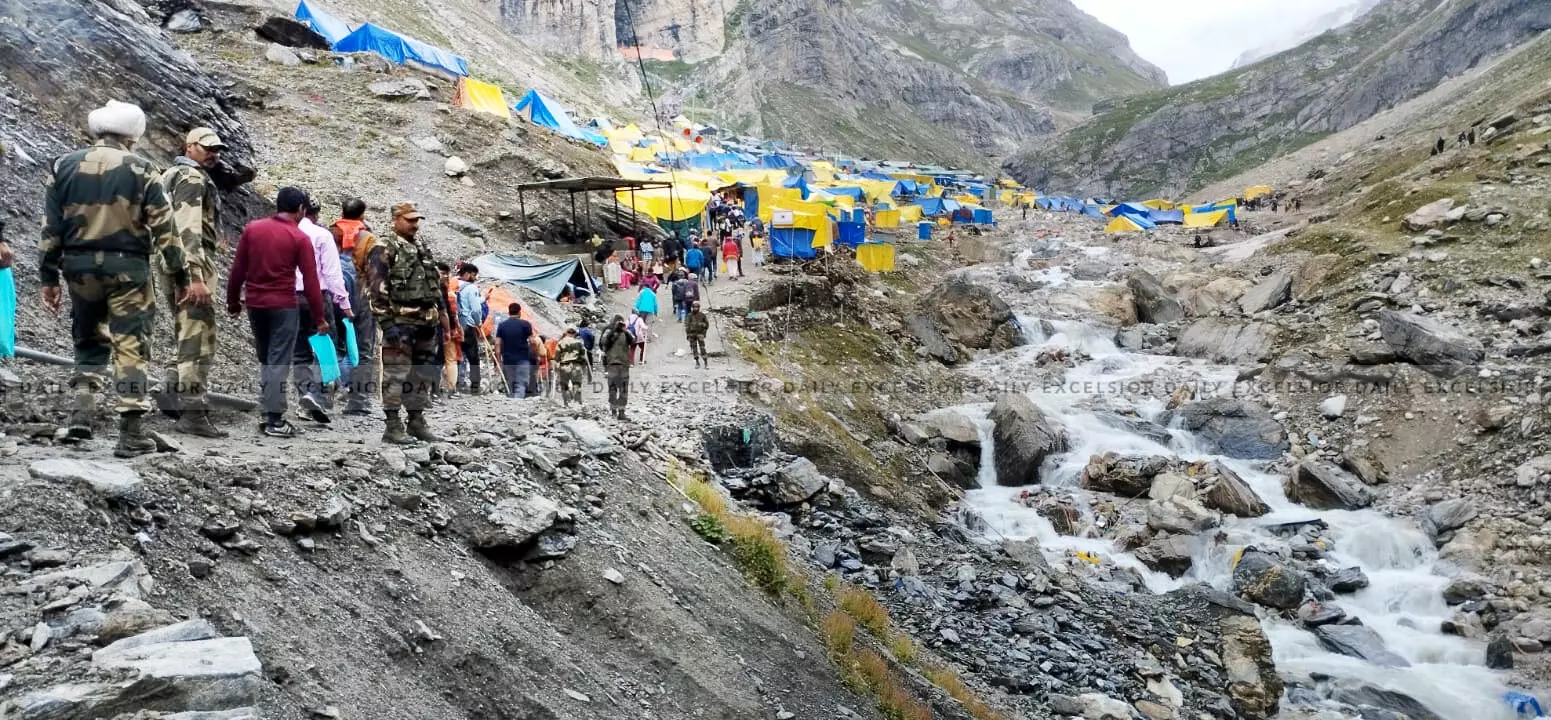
(482, 97)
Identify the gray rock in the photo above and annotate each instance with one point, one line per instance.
(291, 33)
(335, 513)
(1122, 475)
(515, 521)
(1314, 614)
(1358, 641)
(400, 89)
(1448, 516)
(1272, 292)
(245, 713)
(933, 342)
(1225, 341)
(951, 471)
(107, 479)
(1499, 653)
(594, 439)
(1234, 427)
(1367, 469)
(1181, 516)
(120, 575)
(1369, 353)
(215, 674)
(1429, 216)
(188, 631)
(1169, 554)
(950, 424)
(1230, 494)
(613, 576)
(1154, 303)
(1429, 344)
(1322, 485)
(1347, 580)
(282, 55)
(1265, 580)
(971, 315)
(59, 702)
(1462, 591)
(1333, 407)
(1023, 438)
(184, 21)
(455, 167)
(1393, 701)
(1097, 706)
(797, 482)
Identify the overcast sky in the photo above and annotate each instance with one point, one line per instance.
(1191, 39)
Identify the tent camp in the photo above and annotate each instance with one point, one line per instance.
(876, 257)
(547, 277)
(331, 28)
(1128, 223)
(545, 112)
(401, 49)
(482, 97)
(935, 207)
(1159, 204)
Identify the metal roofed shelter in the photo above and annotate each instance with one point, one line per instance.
(586, 186)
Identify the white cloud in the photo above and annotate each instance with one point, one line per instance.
(1191, 39)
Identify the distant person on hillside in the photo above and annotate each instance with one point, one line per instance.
(1462, 138)
(1441, 146)
(1471, 137)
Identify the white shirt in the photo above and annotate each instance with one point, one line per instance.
(327, 256)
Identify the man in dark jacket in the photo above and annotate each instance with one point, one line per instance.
(617, 343)
(695, 329)
(679, 309)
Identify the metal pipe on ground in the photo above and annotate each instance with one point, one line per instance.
(215, 398)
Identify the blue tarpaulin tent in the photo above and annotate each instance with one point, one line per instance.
(751, 202)
(1167, 217)
(932, 207)
(1127, 208)
(545, 112)
(852, 192)
(331, 28)
(792, 243)
(1214, 207)
(547, 278)
(776, 162)
(983, 216)
(401, 49)
(851, 233)
(1092, 210)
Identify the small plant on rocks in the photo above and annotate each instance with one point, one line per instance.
(951, 683)
(757, 551)
(709, 528)
(869, 613)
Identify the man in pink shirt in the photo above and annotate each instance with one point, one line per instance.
(305, 373)
(263, 277)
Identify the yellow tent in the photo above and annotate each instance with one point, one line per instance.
(644, 154)
(810, 217)
(967, 199)
(886, 219)
(684, 202)
(1007, 197)
(823, 170)
(1207, 219)
(482, 97)
(1254, 191)
(1008, 183)
(1121, 224)
(876, 257)
(910, 214)
(1158, 204)
(935, 191)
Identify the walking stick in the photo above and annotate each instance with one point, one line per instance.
(500, 372)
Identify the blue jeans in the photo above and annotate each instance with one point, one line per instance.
(681, 310)
(519, 377)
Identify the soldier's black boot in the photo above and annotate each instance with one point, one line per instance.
(166, 397)
(82, 412)
(395, 433)
(196, 421)
(132, 439)
(419, 428)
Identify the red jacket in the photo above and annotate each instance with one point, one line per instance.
(269, 253)
(729, 249)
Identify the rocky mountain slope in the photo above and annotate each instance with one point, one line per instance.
(1295, 36)
(1176, 140)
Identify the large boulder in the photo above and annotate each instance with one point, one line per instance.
(107, 479)
(1272, 292)
(1230, 494)
(1393, 702)
(514, 522)
(972, 315)
(1448, 516)
(1264, 580)
(1233, 427)
(951, 424)
(1154, 303)
(1253, 686)
(1358, 641)
(1129, 476)
(1225, 341)
(1322, 485)
(210, 674)
(1169, 554)
(1429, 216)
(797, 482)
(1023, 437)
(1429, 344)
(933, 342)
(795, 290)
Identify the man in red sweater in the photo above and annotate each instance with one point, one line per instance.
(269, 254)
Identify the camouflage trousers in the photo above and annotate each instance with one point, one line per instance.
(193, 332)
(112, 305)
(569, 378)
(411, 364)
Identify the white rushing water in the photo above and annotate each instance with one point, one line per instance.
(1403, 602)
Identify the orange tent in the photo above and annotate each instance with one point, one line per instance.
(499, 299)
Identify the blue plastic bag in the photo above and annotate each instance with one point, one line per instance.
(328, 362)
(1524, 705)
(7, 313)
(352, 350)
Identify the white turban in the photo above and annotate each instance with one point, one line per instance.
(116, 118)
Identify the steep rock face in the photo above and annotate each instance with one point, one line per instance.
(1176, 140)
(691, 29)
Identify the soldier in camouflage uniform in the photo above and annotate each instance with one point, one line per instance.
(195, 204)
(105, 213)
(571, 365)
(407, 298)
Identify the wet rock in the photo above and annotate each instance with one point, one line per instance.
(933, 342)
(1065, 517)
(1230, 494)
(1380, 698)
(951, 425)
(796, 483)
(1225, 341)
(1322, 485)
(1499, 653)
(1023, 438)
(1181, 516)
(960, 474)
(1438, 348)
(1347, 580)
(1358, 641)
(1272, 292)
(1169, 554)
(1448, 516)
(1460, 592)
(1154, 303)
(1129, 476)
(1254, 688)
(1314, 614)
(401, 89)
(1234, 427)
(106, 479)
(1367, 469)
(741, 444)
(513, 522)
(972, 315)
(1263, 579)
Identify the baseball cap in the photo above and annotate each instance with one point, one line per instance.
(406, 210)
(204, 136)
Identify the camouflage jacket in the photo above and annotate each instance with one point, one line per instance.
(107, 199)
(195, 208)
(402, 285)
(571, 353)
(696, 325)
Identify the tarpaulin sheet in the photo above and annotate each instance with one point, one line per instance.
(1127, 208)
(547, 278)
(401, 49)
(7, 312)
(983, 216)
(1126, 223)
(886, 219)
(482, 97)
(682, 202)
(851, 234)
(1206, 219)
(876, 257)
(548, 113)
(1255, 191)
(932, 207)
(331, 28)
(1167, 217)
(792, 242)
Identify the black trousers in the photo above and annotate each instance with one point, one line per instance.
(471, 353)
(274, 341)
